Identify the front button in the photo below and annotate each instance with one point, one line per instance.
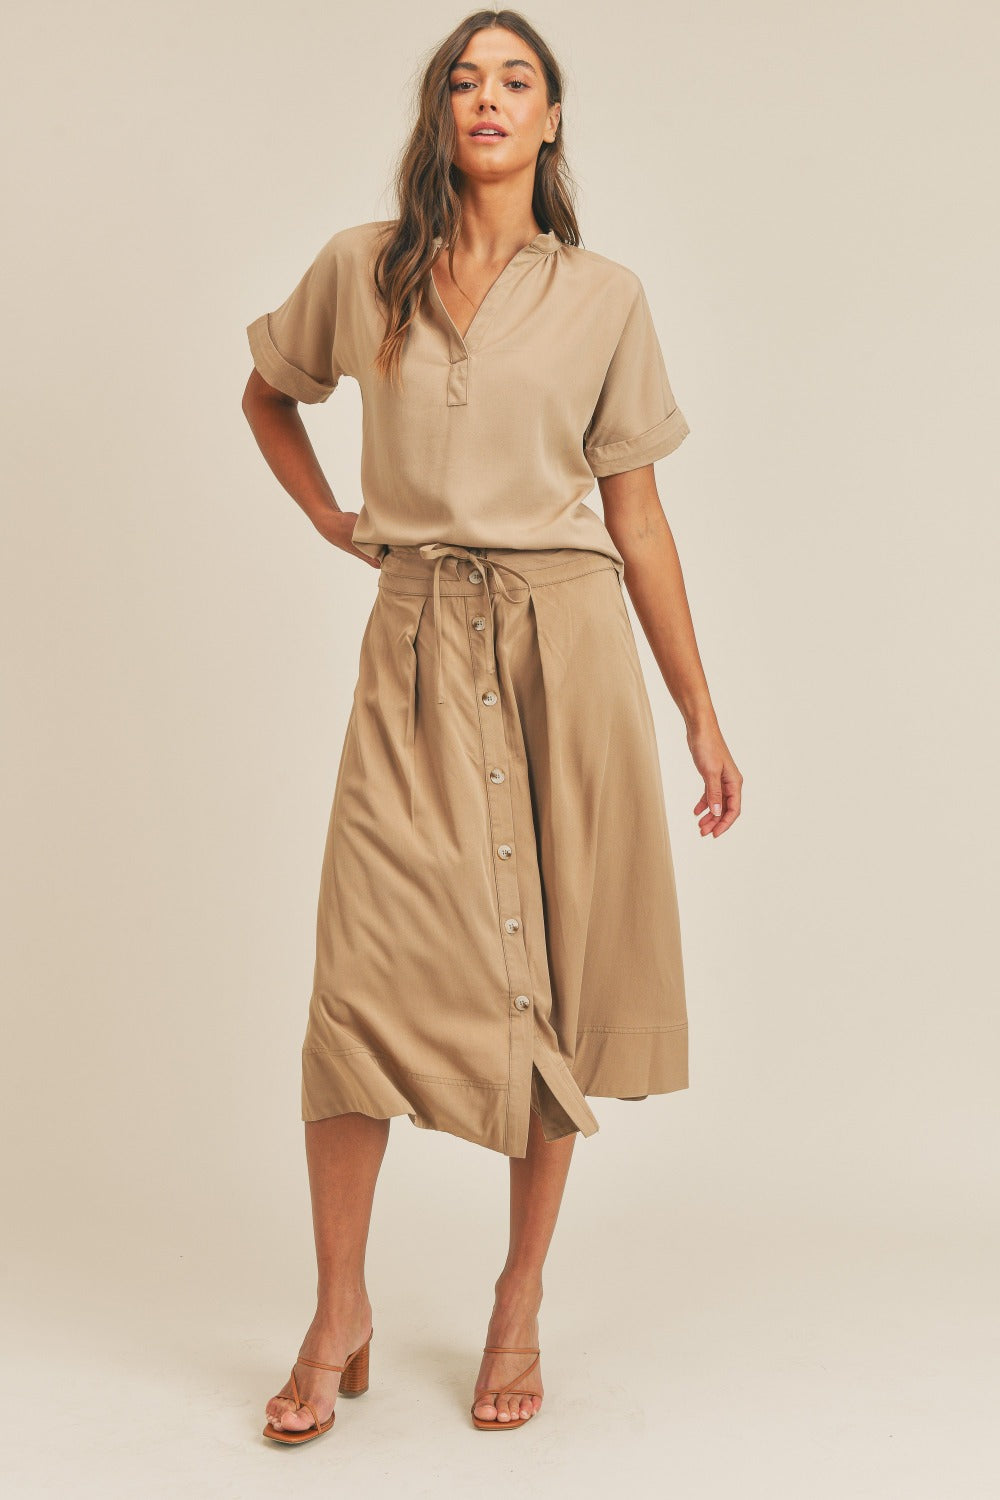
(479, 623)
(475, 576)
(505, 851)
(522, 1002)
(489, 698)
(512, 924)
(497, 775)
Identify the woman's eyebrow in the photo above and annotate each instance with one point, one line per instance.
(512, 62)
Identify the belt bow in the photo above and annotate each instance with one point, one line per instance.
(441, 550)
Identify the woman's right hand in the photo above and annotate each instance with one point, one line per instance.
(337, 526)
(282, 438)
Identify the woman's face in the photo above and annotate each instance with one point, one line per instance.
(498, 83)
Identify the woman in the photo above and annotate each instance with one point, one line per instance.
(497, 932)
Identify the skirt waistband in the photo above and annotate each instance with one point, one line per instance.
(412, 570)
(418, 570)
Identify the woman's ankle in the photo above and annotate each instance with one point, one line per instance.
(339, 1302)
(518, 1288)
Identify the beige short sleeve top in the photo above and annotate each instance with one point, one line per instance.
(493, 439)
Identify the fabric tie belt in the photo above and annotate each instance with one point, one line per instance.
(441, 550)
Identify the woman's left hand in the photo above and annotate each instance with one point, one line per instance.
(722, 798)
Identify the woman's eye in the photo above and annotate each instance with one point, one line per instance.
(460, 84)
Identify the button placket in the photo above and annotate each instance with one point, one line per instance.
(496, 763)
(500, 779)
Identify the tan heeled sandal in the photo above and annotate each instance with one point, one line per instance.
(353, 1382)
(493, 1424)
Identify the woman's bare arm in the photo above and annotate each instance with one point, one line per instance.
(282, 438)
(639, 529)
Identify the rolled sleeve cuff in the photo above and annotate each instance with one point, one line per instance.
(632, 453)
(276, 369)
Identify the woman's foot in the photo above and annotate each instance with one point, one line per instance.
(333, 1335)
(514, 1322)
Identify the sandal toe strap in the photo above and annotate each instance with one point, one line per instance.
(299, 1403)
(505, 1390)
(510, 1389)
(312, 1412)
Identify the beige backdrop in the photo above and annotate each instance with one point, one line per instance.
(774, 1283)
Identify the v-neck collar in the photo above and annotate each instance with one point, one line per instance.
(543, 244)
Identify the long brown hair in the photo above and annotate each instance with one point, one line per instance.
(425, 188)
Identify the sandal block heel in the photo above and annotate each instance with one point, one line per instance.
(354, 1381)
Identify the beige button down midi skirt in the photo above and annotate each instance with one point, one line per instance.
(497, 925)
